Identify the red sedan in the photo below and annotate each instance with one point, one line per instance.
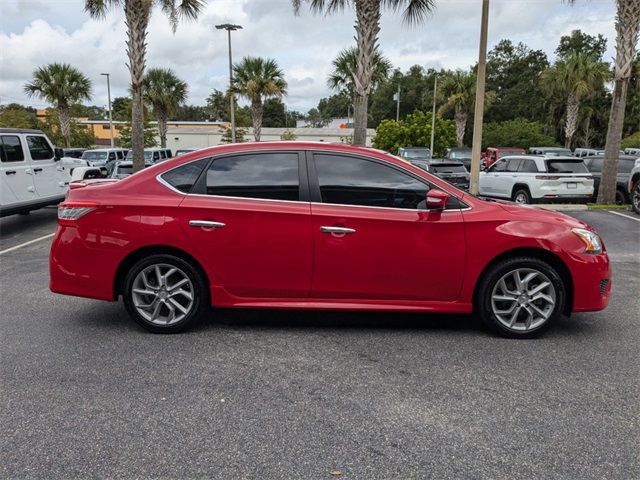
(319, 226)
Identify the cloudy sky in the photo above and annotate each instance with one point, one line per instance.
(35, 32)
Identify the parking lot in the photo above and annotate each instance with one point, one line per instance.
(254, 394)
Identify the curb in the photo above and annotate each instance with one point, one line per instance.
(564, 207)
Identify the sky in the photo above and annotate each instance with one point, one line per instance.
(36, 32)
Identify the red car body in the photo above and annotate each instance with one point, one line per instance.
(272, 254)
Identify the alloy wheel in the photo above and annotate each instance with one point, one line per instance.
(635, 198)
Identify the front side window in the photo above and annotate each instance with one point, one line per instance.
(39, 148)
(272, 176)
(356, 181)
(11, 149)
(184, 177)
(156, 156)
(499, 166)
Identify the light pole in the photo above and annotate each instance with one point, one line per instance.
(110, 116)
(433, 113)
(477, 120)
(396, 97)
(229, 27)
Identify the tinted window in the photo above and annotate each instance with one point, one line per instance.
(355, 181)
(513, 164)
(500, 166)
(39, 148)
(11, 149)
(120, 154)
(185, 176)
(594, 164)
(528, 166)
(261, 175)
(625, 166)
(566, 166)
(92, 155)
(448, 169)
(112, 156)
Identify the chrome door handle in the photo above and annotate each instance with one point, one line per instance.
(342, 230)
(205, 224)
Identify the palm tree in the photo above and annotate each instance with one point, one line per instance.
(164, 92)
(257, 79)
(576, 78)
(346, 63)
(459, 90)
(368, 13)
(137, 14)
(61, 85)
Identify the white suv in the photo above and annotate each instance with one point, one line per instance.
(524, 179)
(31, 174)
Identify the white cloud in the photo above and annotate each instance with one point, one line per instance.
(32, 34)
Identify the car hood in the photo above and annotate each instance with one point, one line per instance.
(535, 214)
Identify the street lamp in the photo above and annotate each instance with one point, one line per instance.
(229, 27)
(110, 116)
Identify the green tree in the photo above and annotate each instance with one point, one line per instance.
(415, 131)
(137, 14)
(632, 141)
(579, 42)
(15, 115)
(150, 136)
(164, 92)
(335, 106)
(459, 88)
(314, 119)
(121, 108)
(61, 85)
(518, 133)
(368, 14)
(258, 79)
(241, 134)
(274, 113)
(288, 135)
(191, 113)
(90, 112)
(79, 135)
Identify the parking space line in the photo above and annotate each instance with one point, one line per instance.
(623, 215)
(2, 252)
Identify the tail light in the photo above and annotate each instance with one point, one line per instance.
(547, 177)
(69, 212)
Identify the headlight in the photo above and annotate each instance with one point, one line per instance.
(591, 240)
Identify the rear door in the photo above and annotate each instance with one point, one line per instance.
(16, 182)
(48, 175)
(251, 223)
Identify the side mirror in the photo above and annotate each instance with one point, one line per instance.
(437, 199)
(58, 154)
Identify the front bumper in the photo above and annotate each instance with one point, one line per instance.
(592, 282)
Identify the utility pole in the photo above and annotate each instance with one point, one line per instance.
(397, 95)
(433, 113)
(110, 115)
(229, 27)
(479, 110)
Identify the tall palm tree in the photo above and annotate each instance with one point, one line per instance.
(346, 63)
(61, 85)
(459, 90)
(368, 13)
(257, 79)
(576, 78)
(164, 92)
(137, 14)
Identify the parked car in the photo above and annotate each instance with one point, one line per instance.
(634, 187)
(632, 151)
(625, 165)
(319, 226)
(587, 152)
(153, 155)
(31, 176)
(414, 153)
(73, 152)
(452, 171)
(462, 154)
(492, 154)
(551, 151)
(528, 178)
(98, 157)
(87, 173)
(182, 151)
(124, 169)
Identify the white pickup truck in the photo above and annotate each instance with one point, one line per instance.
(31, 173)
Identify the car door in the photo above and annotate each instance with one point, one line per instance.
(17, 179)
(47, 173)
(373, 238)
(489, 179)
(506, 179)
(251, 223)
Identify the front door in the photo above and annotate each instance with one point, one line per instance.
(251, 223)
(48, 176)
(375, 240)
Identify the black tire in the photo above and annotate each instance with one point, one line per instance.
(635, 198)
(521, 195)
(621, 197)
(198, 288)
(489, 282)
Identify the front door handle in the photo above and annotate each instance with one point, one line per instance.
(10, 172)
(337, 230)
(205, 224)
(37, 170)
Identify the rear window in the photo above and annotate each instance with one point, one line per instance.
(447, 169)
(566, 166)
(184, 177)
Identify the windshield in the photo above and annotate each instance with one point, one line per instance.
(416, 153)
(448, 169)
(566, 166)
(466, 154)
(89, 155)
(147, 155)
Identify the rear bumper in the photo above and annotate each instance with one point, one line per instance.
(592, 282)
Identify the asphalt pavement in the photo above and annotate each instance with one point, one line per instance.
(252, 394)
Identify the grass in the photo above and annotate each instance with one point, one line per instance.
(607, 206)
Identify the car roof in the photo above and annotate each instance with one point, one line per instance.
(21, 130)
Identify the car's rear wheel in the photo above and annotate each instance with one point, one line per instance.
(621, 198)
(635, 198)
(165, 293)
(522, 195)
(521, 297)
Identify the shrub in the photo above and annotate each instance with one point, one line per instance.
(631, 141)
(516, 133)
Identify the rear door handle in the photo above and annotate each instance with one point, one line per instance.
(205, 224)
(37, 170)
(10, 172)
(338, 230)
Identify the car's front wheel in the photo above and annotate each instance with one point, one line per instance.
(520, 297)
(635, 198)
(165, 293)
(522, 195)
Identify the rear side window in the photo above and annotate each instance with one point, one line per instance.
(566, 166)
(513, 164)
(184, 177)
(528, 166)
(595, 164)
(261, 175)
(156, 156)
(11, 149)
(39, 148)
